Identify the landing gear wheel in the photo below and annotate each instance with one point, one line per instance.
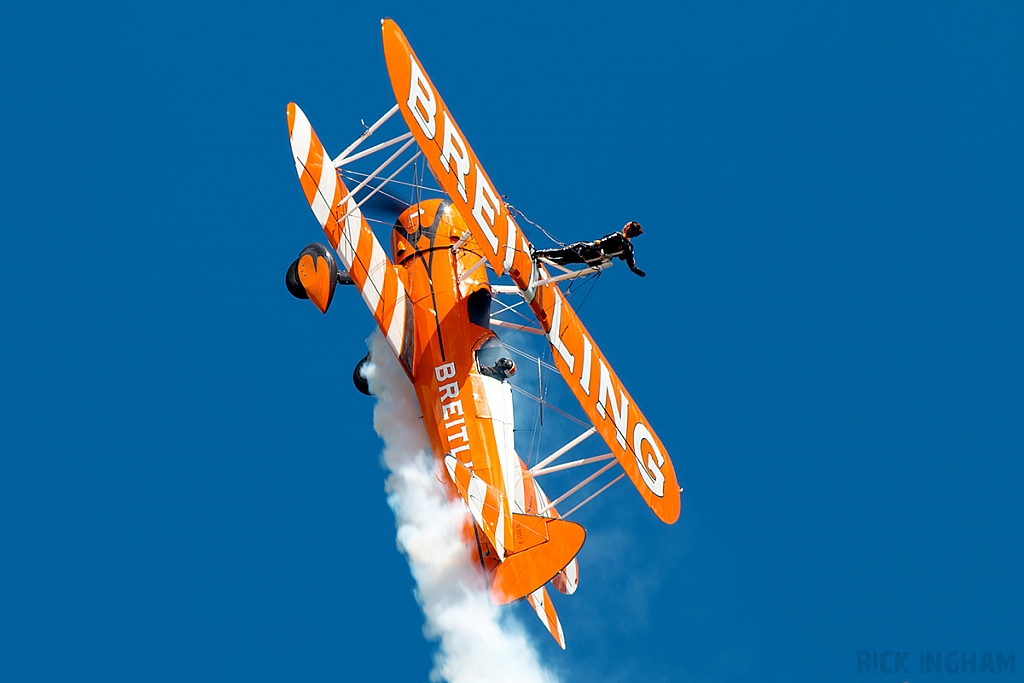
(292, 282)
(357, 376)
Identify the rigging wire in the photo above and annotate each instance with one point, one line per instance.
(555, 408)
(389, 195)
(416, 192)
(417, 189)
(536, 225)
(593, 281)
(512, 308)
(416, 185)
(531, 358)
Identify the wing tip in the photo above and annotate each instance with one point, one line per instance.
(669, 514)
(292, 109)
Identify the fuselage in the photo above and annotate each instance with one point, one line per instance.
(466, 404)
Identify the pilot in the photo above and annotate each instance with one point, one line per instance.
(599, 251)
(502, 369)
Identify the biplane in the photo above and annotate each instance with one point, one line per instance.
(432, 300)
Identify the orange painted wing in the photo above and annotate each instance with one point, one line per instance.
(581, 363)
(453, 162)
(607, 403)
(373, 274)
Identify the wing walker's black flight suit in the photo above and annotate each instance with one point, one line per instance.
(593, 253)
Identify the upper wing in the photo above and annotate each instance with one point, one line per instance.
(605, 401)
(453, 161)
(581, 363)
(379, 282)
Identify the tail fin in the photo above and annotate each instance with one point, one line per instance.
(545, 546)
(566, 580)
(541, 604)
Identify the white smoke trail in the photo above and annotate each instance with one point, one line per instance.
(476, 643)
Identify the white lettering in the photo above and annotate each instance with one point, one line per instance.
(606, 397)
(651, 472)
(450, 390)
(453, 408)
(454, 149)
(554, 336)
(443, 372)
(485, 204)
(585, 375)
(421, 95)
(462, 434)
(510, 241)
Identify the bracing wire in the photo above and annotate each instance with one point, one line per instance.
(529, 357)
(536, 225)
(555, 408)
(391, 196)
(417, 189)
(418, 186)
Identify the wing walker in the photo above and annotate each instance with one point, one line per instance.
(432, 300)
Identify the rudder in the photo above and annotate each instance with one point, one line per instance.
(547, 546)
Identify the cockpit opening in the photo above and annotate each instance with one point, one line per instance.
(478, 305)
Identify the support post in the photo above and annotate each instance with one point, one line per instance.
(564, 449)
(366, 133)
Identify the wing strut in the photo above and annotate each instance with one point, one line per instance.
(340, 159)
(517, 327)
(573, 274)
(577, 487)
(371, 150)
(366, 181)
(462, 240)
(473, 268)
(570, 465)
(563, 450)
(594, 495)
(567, 275)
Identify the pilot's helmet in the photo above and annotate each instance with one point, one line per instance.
(506, 366)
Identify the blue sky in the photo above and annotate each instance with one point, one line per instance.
(828, 340)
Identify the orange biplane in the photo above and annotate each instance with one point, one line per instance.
(432, 301)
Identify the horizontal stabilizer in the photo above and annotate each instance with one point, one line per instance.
(567, 580)
(548, 545)
(541, 604)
